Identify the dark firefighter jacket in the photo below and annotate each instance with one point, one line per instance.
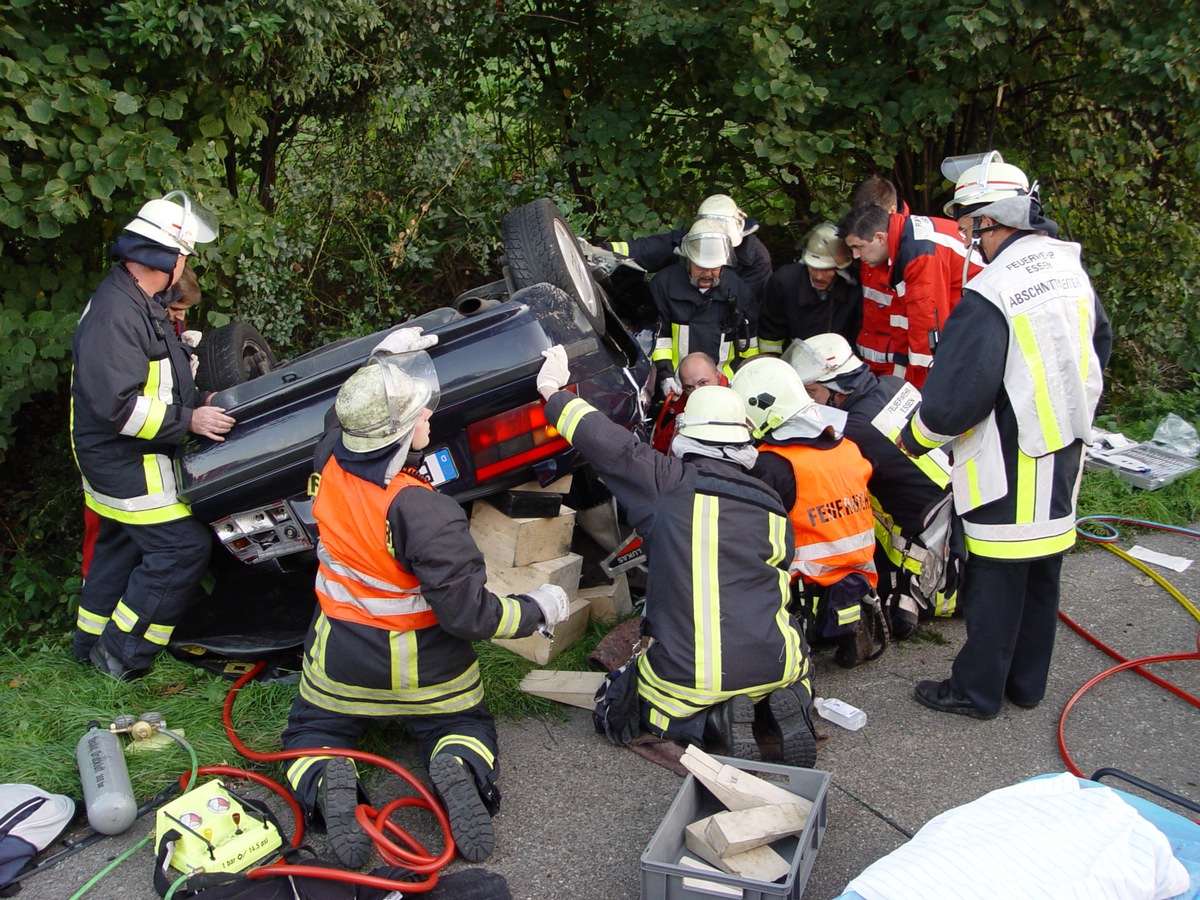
(793, 310)
(132, 398)
(718, 543)
(398, 666)
(656, 252)
(722, 322)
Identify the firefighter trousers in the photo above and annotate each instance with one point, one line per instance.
(1011, 614)
(469, 735)
(141, 581)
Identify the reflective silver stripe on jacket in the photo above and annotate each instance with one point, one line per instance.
(880, 297)
(166, 497)
(836, 548)
(412, 601)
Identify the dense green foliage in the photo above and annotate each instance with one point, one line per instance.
(360, 154)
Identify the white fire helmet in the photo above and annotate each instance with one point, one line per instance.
(379, 404)
(772, 393)
(821, 358)
(174, 220)
(708, 245)
(714, 414)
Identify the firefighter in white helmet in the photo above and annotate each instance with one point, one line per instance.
(702, 305)
(718, 543)
(819, 293)
(822, 479)
(402, 593)
(917, 560)
(751, 259)
(133, 403)
(1016, 384)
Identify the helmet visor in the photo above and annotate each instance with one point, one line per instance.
(708, 250)
(197, 225)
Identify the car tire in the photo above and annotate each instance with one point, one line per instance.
(539, 246)
(232, 355)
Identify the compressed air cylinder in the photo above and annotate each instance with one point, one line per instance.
(107, 793)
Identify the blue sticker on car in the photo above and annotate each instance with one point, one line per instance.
(439, 466)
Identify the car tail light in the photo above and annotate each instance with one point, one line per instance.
(512, 439)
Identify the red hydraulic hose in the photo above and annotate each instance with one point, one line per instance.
(1137, 665)
(374, 822)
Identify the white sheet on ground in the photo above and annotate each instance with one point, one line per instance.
(1045, 838)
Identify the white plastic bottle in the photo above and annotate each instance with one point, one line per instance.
(840, 713)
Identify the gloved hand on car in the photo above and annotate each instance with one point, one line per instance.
(406, 340)
(552, 601)
(554, 373)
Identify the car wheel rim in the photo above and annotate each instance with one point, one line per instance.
(577, 269)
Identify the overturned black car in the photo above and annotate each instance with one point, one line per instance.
(488, 433)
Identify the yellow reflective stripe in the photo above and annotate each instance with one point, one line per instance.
(170, 513)
(298, 767)
(476, 746)
(621, 247)
(510, 617)
(90, 623)
(850, 614)
(924, 436)
(1085, 335)
(403, 645)
(1026, 487)
(971, 468)
(658, 720)
(159, 634)
(155, 414)
(926, 463)
(570, 417)
(1027, 341)
(124, 618)
(1022, 549)
(706, 592)
(152, 474)
(770, 346)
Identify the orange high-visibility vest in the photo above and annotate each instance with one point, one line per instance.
(832, 516)
(358, 579)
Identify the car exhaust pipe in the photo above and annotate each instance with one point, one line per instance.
(473, 306)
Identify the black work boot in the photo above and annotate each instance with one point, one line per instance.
(110, 665)
(797, 740)
(337, 797)
(731, 726)
(470, 821)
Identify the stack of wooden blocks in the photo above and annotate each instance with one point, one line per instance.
(525, 551)
(757, 814)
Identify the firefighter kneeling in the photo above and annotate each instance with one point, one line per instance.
(402, 594)
(822, 479)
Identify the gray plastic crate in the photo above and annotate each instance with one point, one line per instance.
(662, 875)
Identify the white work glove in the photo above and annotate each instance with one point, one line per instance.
(670, 385)
(405, 340)
(554, 373)
(191, 338)
(552, 600)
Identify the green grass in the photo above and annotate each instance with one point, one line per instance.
(49, 698)
(1102, 493)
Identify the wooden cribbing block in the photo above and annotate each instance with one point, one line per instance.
(734, 788)
(541, 649)
(609, 601)
(562, 570)
(520, 542)
(745, 829)
(703, 885)
(572, 688)
(761, 863)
